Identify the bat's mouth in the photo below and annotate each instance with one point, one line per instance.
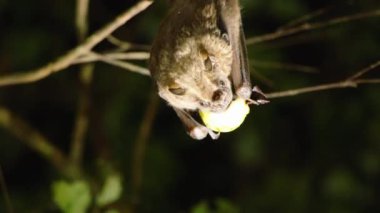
(221, 99)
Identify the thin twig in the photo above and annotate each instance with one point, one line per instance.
(310, 26)
(33, 138)
(262, 78)
(122, 64)
(81, 17)
(337, 85)
(5, 192)
(124, 45)
(304, 18)
(67, 59)
(352, 81)
(140, 149)
(283, 66)
(85, 79)
(121, 45)
(82, 117)
(113, 55)
(294, 92)
(365, 70)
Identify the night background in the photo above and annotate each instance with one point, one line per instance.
(314, 152)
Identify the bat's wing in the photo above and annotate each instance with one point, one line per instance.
(242, 79)
(229, 22)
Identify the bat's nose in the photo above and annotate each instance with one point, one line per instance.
(220, 100)
(218, 95)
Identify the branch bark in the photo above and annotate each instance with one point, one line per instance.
(309, 26)
(85, 80)
(67, 59)
(33, 138)
(352, 81)
(140, 149)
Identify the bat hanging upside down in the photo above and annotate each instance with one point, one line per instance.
(199, 61)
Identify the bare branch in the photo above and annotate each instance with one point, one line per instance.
(284, 66)
(140, 148)
(125, 45)
(5, 192)
(81, 19)
(365, 71)
(262, 78)
(114, 56)
(122, 45)
(82, 117)
(67, 59)
(122, 64)
(352, 81)
(33, 138)
(85, 79)
(310, 26)
(294, 92)
(304, 18)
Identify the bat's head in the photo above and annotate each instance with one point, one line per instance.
(196, 74)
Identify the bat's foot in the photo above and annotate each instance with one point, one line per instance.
(200, 132)
(258, 97)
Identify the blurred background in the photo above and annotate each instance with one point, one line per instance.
(317, 152)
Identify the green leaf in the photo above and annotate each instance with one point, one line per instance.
(201, 207)
(225, 206)
(111, 191)
(72, 197)
(111, 211)
(221, 206)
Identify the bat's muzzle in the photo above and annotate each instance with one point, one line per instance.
(221, 99)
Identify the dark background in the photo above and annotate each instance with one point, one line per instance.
(317, 152)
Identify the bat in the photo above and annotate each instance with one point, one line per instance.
(199, 60)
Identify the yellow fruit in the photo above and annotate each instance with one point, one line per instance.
(228, 120)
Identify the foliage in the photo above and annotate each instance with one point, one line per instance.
(317, 152)
(72, 197)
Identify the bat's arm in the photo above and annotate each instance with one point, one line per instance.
(240, 71)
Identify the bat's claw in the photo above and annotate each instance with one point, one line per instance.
(258, 97)
(213, 135)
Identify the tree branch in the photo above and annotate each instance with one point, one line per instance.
(122, 64)
(310, 26)
(352, 81)
(5, 192)
(140, 149)
(33, 138)
(112, 55)
(284, 66)
(67, 59)
(85, 81)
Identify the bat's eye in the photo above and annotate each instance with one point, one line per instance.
(221, 83)
(177, 91)
(209, 63)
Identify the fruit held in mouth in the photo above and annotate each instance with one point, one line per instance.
(228, 120)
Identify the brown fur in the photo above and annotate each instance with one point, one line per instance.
(188, 41)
